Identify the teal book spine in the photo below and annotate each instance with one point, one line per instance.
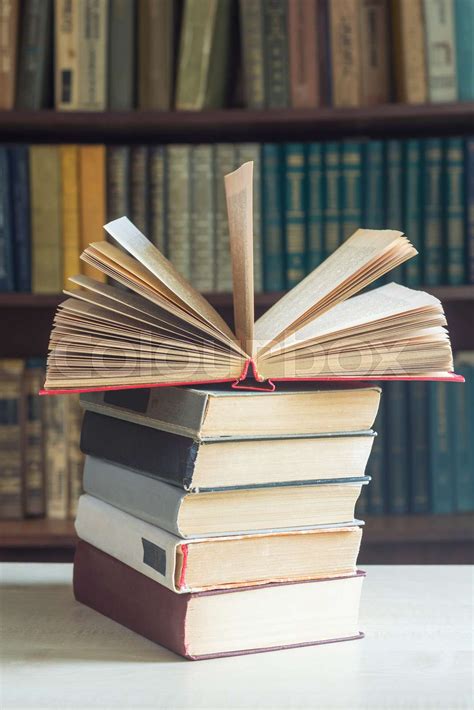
(272, 216)
(397, 448)
(376, 467)
(412, 208)
(464, 23)
(453, 194)
(418, 449)
(351, 189)
(469, 207)
(295, 213)
(463, 423)
(394, 196)
(331, 183)
(432, 212)
(315, 206)
(373, 196)
(441, 466)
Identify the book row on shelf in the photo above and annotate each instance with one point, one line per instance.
(308, 198)
(160, 54)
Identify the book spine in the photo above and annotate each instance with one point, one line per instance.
(276, 54)
(375, 46)
(179, 165)
(409, 51)
(394, 212)
(462, 421)
(11, 439)
(70, 211)
(7, 280)
(202, 218)
(20, 200)
(376, 466)
(351, 189)
(9, 15)
(92, 191)
(252, 38)
(66, 79)
(34, 55)
(453, 195)
(344, 24)
(295, 213)
(315, 201)
(419, 450)
(55, 412)
(441, 483)
(34, 479)
(440, 50)
(93, 55)
(373, 194)
(118, 181)
(469, 208)
(139, 187)
(331, 183)
(303, 53)
(221, 50)
(397, 458)
(74, 454)
(464, 24)
(45, 196)
(251, 152)
(412, 200)
(432, 212)
(158, 197)
(121, 56)
(224, 162)
(156, 54)
(272, 215)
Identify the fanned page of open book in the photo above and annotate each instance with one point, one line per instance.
(154, 328)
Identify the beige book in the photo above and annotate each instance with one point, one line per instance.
(409, 56)
(162, 331)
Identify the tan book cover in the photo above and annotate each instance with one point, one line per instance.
(375, 52)
(93, 29)
(55, 422)
(9, 15)
(156, 20)
(303, 41)
(66, 56)
(34, 478)
(93, 205)
(409, 54)
(344, 28)
(12, 441)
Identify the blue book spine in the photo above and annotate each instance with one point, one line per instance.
(397, 449)
(432, 212)
(20, 194)
(376, 467)
(331, 191)
(7, 282)
(315, 201)
(272, 215)
(351, 189)
(295, 213)
(463, 423)
(412, 208)
(469, 207)
(464, 21)
(453, 195)
(441, 465)
(418, 450)
(373, 197)
(394, 218)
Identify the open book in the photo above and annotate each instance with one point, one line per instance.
(159, 330)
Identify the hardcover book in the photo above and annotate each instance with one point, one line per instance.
(162, 331)
(219, 623)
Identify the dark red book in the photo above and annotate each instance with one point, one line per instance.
(219, 623)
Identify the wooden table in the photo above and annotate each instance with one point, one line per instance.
(417, 652)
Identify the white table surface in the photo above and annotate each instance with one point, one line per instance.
(417, 652)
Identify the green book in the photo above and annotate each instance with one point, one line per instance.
(272, 216)
(373, 196)
(178, 161)
(295, 213)
(394, 217)
(351, 189)
(252, 37)
(376, 467)
(463, 418)
(412, 200)
(202, 218)
(453, 194)
(276, 62)
(440, 448)
(397, 448)
(331, 192)
(418, 446)
(315, 202)
(432, 212)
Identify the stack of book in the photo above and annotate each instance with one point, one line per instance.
(230, 506)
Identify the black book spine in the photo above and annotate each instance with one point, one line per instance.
(35, 69)
(169, 457)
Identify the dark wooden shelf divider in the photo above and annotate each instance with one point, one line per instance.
(237, 124)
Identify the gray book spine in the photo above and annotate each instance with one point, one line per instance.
(202, 218)
(121, 63)
(34, 61)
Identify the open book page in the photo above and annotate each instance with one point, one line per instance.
(136, 244)
(364, 257)
(239, 191)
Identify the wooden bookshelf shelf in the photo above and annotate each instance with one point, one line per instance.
(237, 124)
